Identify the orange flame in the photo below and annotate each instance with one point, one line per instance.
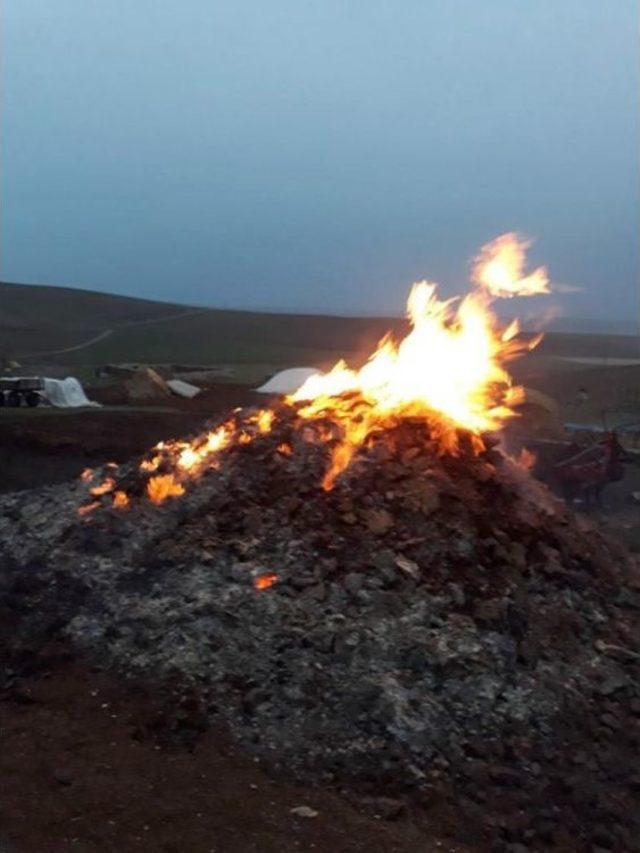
(120, 499)
(265, 580)
(150, 464)
(499, 269)
(106, 486)
(88, 508)
(163, 486)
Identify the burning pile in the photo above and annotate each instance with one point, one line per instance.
(360, 584)
(448, 372)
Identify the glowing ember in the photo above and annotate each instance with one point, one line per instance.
(163, 486)
(499, 268)
(86, 475)
(120, 500)
(265, 581)
(88, 508)
(265, 420)
(527, 459)
(106, 486)
(285, 449)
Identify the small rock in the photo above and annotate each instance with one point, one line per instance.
(379, 521)
(611, 683)
(610, 721)
(457, 594)
(353, 582)
(304, 811)
(408, 566)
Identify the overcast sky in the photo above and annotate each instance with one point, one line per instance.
(318, 154)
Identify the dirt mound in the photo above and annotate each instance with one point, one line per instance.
(433, 622)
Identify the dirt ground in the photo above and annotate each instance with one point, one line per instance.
(91, 763)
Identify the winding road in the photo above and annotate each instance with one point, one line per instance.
(106, 333)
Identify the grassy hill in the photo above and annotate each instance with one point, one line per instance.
(38, 322)
(38, 317)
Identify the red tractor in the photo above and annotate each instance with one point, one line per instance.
(585, 471)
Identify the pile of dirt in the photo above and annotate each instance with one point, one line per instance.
(434, 622)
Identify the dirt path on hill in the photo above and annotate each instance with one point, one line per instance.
(106, 333)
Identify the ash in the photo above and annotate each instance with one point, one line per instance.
(434, 622)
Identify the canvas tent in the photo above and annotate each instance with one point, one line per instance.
(66, 393)
(287, 381)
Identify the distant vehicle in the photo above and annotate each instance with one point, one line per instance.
(582, 470)
(14, 391)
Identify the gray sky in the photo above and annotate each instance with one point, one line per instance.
(318, 154)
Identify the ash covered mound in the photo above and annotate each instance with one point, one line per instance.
(433, 621)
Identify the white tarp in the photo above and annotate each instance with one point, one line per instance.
(183, 389)
(287, 381)
(66, 393)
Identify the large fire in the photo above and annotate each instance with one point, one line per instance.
(449, 370)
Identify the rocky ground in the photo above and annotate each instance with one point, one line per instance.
(435, 630)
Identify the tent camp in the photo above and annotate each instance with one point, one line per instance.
(287, 381)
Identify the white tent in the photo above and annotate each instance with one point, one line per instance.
(66, 393)
(287, 381)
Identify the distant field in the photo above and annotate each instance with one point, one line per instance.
(35, 320)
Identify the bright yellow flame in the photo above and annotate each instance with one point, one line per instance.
(449, 365)
(265, 420)
(499, 269)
